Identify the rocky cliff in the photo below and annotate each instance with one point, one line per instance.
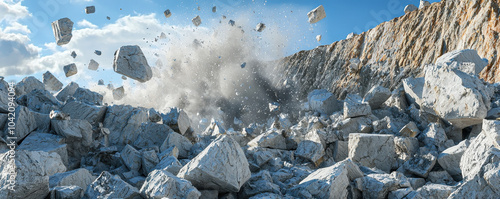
(399, 48)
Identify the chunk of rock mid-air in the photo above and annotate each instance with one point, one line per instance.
(131, 62)
(62, 31)
(70, 70)
(317, 14)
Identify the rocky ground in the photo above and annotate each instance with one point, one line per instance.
(434, 137)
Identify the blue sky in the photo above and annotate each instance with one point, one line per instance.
(27, 43)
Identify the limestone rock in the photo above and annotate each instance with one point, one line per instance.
(27, 85)
(131, 62)
(406, 147)
(90, 9)
(271, 139)
(434, 137)
(51, 82)
(414, 87)
(449, 159)
(432, 191)
(24, 121)
(317, 14)
(354, 107)
(131, 158)
(330, 182)
(152, 135)
(318, 38)
(83, 111)
(79, 177)
(73, 54)
(196, 21)
(170, 164)
(377, 96)
(74, 130)
(379, 185)
(179, 141)
(350, 35)
(93, 65)
(33, 169)
(167, 13)
(409, 130)
(162, 184)
(40, 101)
(62, 31)
(260, 27)
(440, 177)
(423, 4)
(455, 96)
(259, 183)
(410, 8)
(68, 192)
(70, 70)
(149, 160)
(67, 91)
(111, 186)
(47, 143)
(221, 166)
(467, 61)
(323, 101)
(118, 93)
(98, 52)
(372, 150)
(420, 165)
(124, 122)
(214, 9)
(312, 149)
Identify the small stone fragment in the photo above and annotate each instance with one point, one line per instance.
(423, 4)
(97, 52)
(214, 9)
(318, 38)
(196, 21)
(260, 27)
(70, 70)
(73, 54)
(317, 14)
(93, 65)
(410, 8)
(90, 9)
(167, 13)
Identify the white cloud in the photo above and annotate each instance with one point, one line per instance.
(86, 24)
(10, 11)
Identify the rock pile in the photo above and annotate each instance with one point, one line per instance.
(428, 138)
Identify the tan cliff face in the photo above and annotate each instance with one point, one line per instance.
(400, 48)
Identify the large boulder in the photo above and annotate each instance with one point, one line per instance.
(24, 122)
(131, 158)
(272, 139)
(329, 182)
(414, 88)
(62, 31)
(162, 184)
(449, 159)
(32, 171)
(131, 62)
(377, 96)
(46, 142)
(355, 107)
(83, 111)
(467, 61)
(124, 123)
(153, 134)
(87, 96)
(40, 101)
(111, 186)
(455, 96)
(221, 166)
(372, 150)
(174, 139)
(67, 91)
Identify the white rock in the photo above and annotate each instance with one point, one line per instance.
(124, 122)
(317, 14)
(432, 191)
(68, 192)
(372, 150)
(377, 96)
(221, 166)
(440, 177)
(82, 111)
(67, 91)
(409, 130)
(399, 193)
(414, 87)
(354, 107)
(379, 185)
(330, 182)
(111, 186)
(271, 139)
(79, 177)
(162, 184)
(70, 70)
(62, 31)
(25, 123)
(27, 85)
(351, 35)
(46, 142)
(260, 27)
(167, 13)
(90, 9)
(312, 149)
(318, 38)
(181, 142)
(467, 61)
(152, 135)
(51, 82)
(260, 182)
(131, 157)
(423, 4)
(131, 62)
(87, 96)
(93, 65)
(455, 96)
(149, 161)
(170, 164)
(323, 101)
(196, 21)
(118, 93)
(434, 136)
(410, 8)
(33, 169)
(420, 165)
(406, 147)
